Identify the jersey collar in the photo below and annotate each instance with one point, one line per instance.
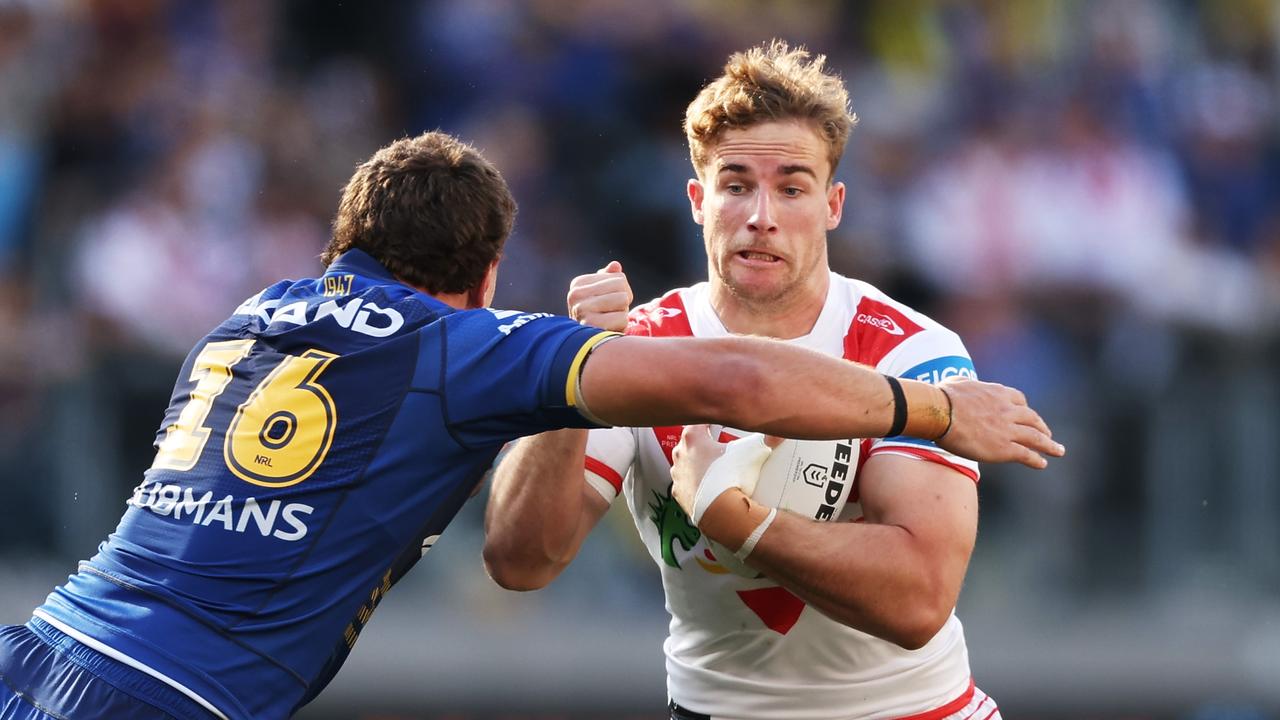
(359, 262)
(363, 265)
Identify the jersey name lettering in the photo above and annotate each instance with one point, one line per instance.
(356, 315)
(178, 502)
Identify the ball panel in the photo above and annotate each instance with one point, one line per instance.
(812, 478)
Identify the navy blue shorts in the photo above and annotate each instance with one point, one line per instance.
(48, 675)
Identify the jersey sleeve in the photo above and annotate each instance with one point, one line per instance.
(505, 374)
(610, 454)
(932, 356)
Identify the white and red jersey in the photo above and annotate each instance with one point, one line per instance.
(747, 648)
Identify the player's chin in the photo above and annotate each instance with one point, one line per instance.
(759, 286)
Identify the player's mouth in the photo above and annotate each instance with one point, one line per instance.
(757, 258)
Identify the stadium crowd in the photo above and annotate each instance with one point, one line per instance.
(1088, 192)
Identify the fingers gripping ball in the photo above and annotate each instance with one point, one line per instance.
(812, 478)
(738, 467)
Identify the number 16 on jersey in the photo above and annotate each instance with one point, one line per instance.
(278, 436)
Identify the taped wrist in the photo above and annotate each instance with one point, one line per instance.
(750, 543)
(739, 467)
(929, 417)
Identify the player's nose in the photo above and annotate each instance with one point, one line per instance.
(761, 219)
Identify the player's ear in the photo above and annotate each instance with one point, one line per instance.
(835, 205)
(696, 195)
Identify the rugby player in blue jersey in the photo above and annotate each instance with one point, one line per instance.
(325, 434)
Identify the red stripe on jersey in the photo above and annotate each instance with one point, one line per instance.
(930, 456)
(864, 452)
(776, 607)
(609, 474)
(876, 329)
(664, 317)
(950, 708)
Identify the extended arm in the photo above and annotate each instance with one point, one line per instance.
(772, 387)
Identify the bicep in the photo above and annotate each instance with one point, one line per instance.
(935, 503)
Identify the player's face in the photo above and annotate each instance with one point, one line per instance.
(765, 201)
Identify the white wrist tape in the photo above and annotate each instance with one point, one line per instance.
(739, 467)
(750, 543)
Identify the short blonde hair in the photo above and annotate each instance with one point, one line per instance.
(768, 83)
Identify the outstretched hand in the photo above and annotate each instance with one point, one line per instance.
(601, 298)
(992, 423)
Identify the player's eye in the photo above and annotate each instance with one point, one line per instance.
(735, 188)
(792, 191)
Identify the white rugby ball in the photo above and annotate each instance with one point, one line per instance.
(807, 477)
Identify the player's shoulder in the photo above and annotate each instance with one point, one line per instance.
(868, 297)
(881, 326)
(663, 316)
(504, 323)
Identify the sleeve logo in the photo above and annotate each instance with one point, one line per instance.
(942, 368)
(520, 319)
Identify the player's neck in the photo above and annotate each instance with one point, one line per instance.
(784, 318)
(458, 301)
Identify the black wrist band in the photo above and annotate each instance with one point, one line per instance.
(899, 407)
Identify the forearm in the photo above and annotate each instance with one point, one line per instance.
(879, 579)
(830, 398)
(533, 522)
(738, 382)
(875, 578)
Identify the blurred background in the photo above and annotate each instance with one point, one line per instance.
(1087, 191)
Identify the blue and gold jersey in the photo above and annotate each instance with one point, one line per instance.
(317, 443)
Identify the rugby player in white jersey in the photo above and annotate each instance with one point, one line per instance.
(848, 619)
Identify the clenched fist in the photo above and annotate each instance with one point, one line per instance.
(601, 298)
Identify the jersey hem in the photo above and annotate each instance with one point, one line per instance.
(120, 657)
(950, 708)
(927, 456)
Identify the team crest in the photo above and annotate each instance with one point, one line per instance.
(673, 526)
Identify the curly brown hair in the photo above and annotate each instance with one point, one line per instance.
(430, 208)
(767, 83)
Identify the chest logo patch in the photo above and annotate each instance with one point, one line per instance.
(673, 526)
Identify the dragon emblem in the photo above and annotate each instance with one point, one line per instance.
(673, 526)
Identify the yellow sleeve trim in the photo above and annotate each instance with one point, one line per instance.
(571, 382)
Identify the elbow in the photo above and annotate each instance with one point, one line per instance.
(913, 629)
(521, 574)
(914, 639)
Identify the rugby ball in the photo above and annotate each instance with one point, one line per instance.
(812, 478)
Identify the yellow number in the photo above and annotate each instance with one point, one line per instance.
(279, 434)
(283, 430)
(211, 372)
